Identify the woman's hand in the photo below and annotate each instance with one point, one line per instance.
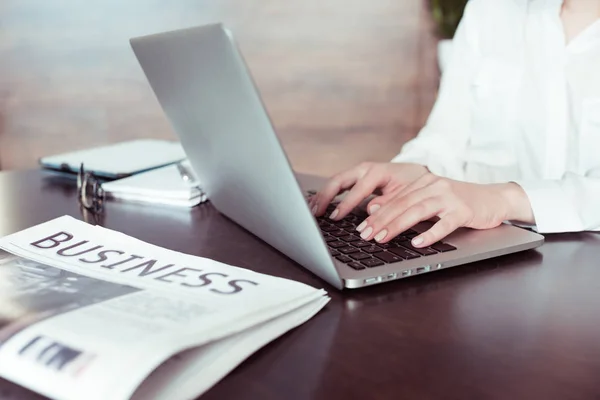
(363, 180)
(457, 204)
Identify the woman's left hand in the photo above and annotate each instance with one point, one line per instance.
(457, 204)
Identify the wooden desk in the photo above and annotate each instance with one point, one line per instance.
(523, 326)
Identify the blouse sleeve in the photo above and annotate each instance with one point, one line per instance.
(442, 142)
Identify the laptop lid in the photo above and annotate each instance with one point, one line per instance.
(202, 83)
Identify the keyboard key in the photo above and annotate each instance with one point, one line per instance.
(404, 253)
(443, 247)
(329, 228)
(344, 259)
(330, 239)
(360, 256)
(388, 257)
(349, 238)
(371, 249)
(426, 251)
(372, 262)
(344, 224)
(351, 218)
(387, 245)
(337, 244)
(398, 239)
(334, 252)
(348, 250)
(359, 213)
(361, 244)
(356, 265)
(338, 232)
(407, 233)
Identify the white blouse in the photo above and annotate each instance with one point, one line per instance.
(518, 104)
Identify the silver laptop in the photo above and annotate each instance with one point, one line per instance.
(203, 85)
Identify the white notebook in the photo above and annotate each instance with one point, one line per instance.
(118, 160)
(159, 186)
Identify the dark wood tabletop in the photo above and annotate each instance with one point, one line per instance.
(522, 326)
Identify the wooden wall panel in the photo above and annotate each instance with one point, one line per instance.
(343, 80)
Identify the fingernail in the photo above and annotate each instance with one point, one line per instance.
(334, 214)
(417, 241)
(374, 208)
(366, 233)
(314, 210)
(362, 226)
(381, 235)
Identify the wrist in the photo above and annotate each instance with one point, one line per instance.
(416, 170)
(518, 207)
(421, 168)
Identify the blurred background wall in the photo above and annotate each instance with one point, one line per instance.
(343, 80)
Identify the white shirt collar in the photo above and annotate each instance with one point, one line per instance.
(586, 40)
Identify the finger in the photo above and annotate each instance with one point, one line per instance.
(379, 220)
(381, 200)
(428, 180)
(312, 200)
(445, 226)
(363, 188)
(425, 180)
(418, 212)
(335, 186)
(311, 204)
(421, 182)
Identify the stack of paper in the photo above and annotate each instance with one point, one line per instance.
(163, 185)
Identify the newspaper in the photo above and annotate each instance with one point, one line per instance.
(86, 312)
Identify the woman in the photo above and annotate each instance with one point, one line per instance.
(514, 135)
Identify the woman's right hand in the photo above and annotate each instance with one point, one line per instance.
(362, 181)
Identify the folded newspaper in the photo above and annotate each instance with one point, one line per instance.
(90, 313)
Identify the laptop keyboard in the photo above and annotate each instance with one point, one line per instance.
(346, 245)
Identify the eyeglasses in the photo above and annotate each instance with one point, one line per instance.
(90, 192)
